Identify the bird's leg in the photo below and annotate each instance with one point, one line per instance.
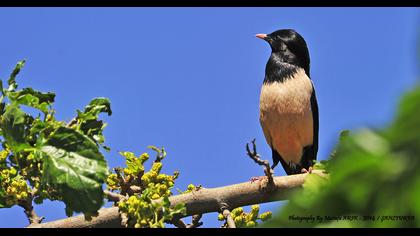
(268, 178)
(309, 170)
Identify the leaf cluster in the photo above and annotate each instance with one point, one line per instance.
(246, 220)
(43, 158)
(146, 204)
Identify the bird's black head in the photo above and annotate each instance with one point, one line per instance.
(288, 46)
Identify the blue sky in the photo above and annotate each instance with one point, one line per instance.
(189, 79)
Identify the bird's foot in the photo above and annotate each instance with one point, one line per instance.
(257, 178)
(263, 182)
(309, 170)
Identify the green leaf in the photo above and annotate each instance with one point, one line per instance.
(179, 209)
(99, 105)
(74, 167)
(88, 122)
(134, 164)
(404, 132)
(12, 79)
(12, 124)
(37, 126)
(93, 128)
(33, 98)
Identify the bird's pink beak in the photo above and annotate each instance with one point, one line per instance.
(261, 36)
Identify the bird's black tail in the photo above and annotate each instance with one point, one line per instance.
(308, 158)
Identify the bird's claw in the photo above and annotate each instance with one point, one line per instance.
(257, 178)
(309, 170)
(253, 154)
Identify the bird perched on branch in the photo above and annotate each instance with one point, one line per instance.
(288, 106)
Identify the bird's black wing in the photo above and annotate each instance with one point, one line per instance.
(310, 152)
(315, 116)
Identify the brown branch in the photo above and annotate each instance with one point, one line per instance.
(124, 219)
(199, 202)
(30, 213)
(179, 223)
(29, 208)
(115, 197)
(229, 220)
(195, 223)
(135, 189)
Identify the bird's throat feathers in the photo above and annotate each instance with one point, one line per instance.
(277, 70)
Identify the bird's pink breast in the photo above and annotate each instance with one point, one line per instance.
(286, 116)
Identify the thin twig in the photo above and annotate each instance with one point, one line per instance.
(257, 159)
(161, 153)
(125, 182)
(179, 223)
(72, 122)
(135, 189)
(30, 213)
(115, 197)
(195, 223)
(124, 219)
(229, 219)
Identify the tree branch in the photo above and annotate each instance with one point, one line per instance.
(199, 202)
(229, 220)
(179, 223)
(30, 213)
(195, 222)
(111, 196)
(29, 209)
